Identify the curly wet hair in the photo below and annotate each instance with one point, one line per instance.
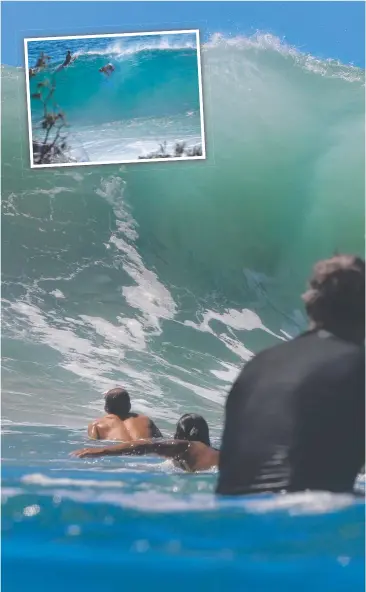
(336, 294)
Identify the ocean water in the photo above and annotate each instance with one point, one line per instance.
(167, 278)
(152, 97)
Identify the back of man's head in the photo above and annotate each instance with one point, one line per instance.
(117, 402)
(336, 296)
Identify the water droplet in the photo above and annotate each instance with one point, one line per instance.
(141, 546)
(73, 530)
(31, 510)
(344, 561)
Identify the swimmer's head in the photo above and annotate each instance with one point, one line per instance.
(117, 402)
(336, 296)
(194, 428)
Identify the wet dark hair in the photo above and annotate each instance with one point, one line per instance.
(336, 295)
(117, 402)
(194, 428)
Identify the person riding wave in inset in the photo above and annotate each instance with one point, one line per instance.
(67, 59)
(108, 69)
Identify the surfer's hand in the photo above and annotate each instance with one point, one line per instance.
(87, 452)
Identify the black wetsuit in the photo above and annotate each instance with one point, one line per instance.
(295, 419)
(67, 59)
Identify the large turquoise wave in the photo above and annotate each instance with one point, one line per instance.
(145, 83)
(167, 277)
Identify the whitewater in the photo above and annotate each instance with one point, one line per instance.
(166, 279)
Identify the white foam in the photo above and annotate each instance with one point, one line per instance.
(210, 394)
(149, 295)
(57, 294)
(39, 479)
(9, 492)
(302, 503)
(122, 47)
(228, 375)
(260, 41)
(239, 320)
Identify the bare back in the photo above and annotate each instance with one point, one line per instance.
(197, 457)
(133, 427)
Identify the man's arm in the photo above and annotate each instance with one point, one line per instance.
(167, 448)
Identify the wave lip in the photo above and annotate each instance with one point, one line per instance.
(266, 42)
(120, 49)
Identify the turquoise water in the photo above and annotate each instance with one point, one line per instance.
(152, 96)
(166, 278)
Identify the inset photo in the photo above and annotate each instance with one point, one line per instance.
(107, 99)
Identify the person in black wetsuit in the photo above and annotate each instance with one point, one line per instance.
(295, 417)
(67, 59)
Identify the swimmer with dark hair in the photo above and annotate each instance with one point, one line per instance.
(107, 69)
(120, 423)
(190, 449)
(295, 417)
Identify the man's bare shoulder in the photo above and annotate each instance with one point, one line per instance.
(105, 419)
(99, 428)
(151, 426)
(140, 418)
(202, 457)
(94, 429)
(141, 426)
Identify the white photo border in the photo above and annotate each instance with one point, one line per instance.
(109, 36)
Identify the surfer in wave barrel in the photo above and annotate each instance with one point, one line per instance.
(190, 449)
(108, 69)
(120, 423)
(295, 417)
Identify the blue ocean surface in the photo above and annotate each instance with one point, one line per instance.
(141, 523)
(152, 96)
(166, 279)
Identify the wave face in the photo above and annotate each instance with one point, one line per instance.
(167, 277)
(148, 83)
